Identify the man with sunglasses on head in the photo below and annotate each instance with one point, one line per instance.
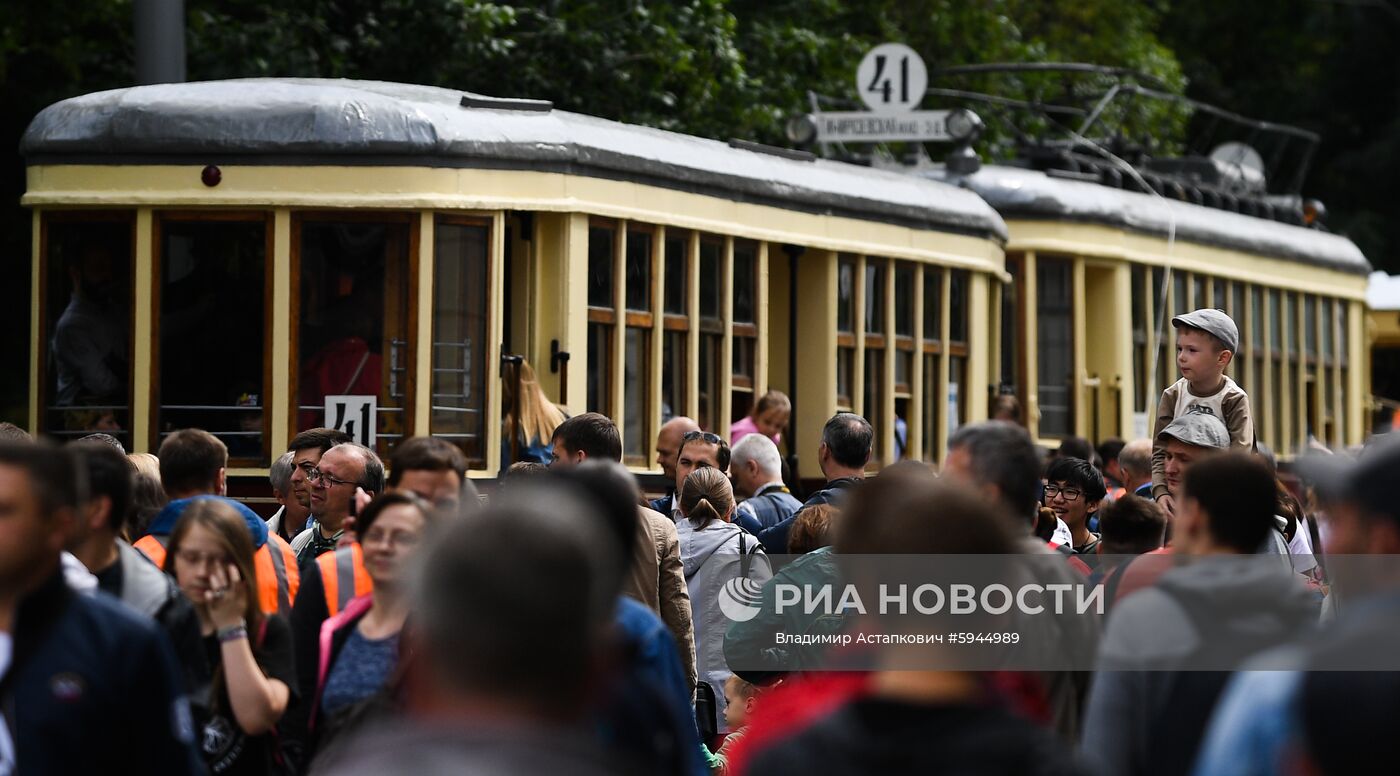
(847, 440)
(342, 470)
(699, 450)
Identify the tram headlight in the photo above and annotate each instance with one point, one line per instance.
(965, 126)
(801, 130)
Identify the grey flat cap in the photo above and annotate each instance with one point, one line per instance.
(1214, 322)
(1199, 429)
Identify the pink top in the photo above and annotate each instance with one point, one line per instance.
(744, 427)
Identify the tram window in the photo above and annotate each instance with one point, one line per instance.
(874, 296)
(845, 295)
(1011, 378)
(934, 401)
(1237, 301)
(1311, 325)
(675, 370)
(903, 303)
(1198, 292)
(933, 303)
(600, 368)
(353, 330)
(1138, 294)
(875, 400)
(845, 369)
(1054, 293)
(1180, 302)
(957, 390)
(957, 306)
(745, 281)
(711, 277)
(87, 324)
(635, 414)
(639, 271)
(1256, 338)
(460, 285)
(1164, 336)
(600, 266)
(1220, 297)
(745, 331)
(677, 274)
(213, 279)
(1276, 323)
(1328, 320)
(710, 347)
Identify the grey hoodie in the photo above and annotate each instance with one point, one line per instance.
(711, 558)
(1150, 634)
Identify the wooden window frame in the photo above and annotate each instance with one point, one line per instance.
(44, 336)
(158, 220)
(453, 219)
(299, 218)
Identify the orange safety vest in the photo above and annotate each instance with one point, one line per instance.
(343, 576)
(274, 563)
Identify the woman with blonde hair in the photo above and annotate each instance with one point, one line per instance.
(249, 654)
(714, 552)
(147, 495)
(538, 418)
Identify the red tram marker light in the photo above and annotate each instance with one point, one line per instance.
(211, 175)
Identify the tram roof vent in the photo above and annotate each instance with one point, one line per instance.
(506, 103)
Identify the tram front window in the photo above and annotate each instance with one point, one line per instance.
(353, 329)
(459, 337)
(212, 283)
(87, 323)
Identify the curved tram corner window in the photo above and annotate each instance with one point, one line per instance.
(212, 283)
(459, 337)
(87, 326)
(353, 321)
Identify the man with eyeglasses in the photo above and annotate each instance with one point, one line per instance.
(306, 449)
(334, 480)
(1073, 491)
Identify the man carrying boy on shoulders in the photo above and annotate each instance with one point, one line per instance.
(1206, 341)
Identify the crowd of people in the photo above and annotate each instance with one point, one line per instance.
(389, 618)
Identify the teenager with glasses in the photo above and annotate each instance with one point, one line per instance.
(1073, 491)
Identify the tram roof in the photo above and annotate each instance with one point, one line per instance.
(1020, 193)
(343, 122)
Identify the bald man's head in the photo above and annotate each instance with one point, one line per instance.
(668, 443)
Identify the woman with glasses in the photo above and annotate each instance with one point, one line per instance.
(715, 552)
(250, 668)
(359, 647)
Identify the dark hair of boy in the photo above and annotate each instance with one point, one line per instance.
(591, 433)
(1078, 473)
(426, 454)
(323, 438)
(190, 460)
(1131, 525)
(1238, 496)
(109, 474)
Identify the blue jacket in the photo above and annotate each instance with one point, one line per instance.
(648, 715)
(775, 539)
(93, 688)
(164, 522)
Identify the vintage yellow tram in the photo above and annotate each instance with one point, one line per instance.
(228, 254)
(1086, 343)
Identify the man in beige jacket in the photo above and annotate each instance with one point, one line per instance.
(657, 577)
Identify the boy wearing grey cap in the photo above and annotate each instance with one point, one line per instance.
(1206, 341)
